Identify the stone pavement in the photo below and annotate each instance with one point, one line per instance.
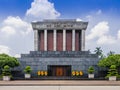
(59, 87)
(60, 83)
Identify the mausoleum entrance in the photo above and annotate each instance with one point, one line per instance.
(59, 70)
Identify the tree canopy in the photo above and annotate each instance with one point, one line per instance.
(8, 60)
(113, 59)
(110, 53)
(99, 52)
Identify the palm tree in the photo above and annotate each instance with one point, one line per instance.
(111, 53)
(98, 51)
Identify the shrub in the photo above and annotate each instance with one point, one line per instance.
(27, 70)
(91, 70)
(6, 71)
(112, 71)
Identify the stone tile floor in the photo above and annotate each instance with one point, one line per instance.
(59, 87)
(59, 83)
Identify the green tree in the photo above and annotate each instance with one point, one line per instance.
(110, 60)
(111, 53)
(8, 60)
(98, 51)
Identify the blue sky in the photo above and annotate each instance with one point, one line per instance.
(14, 7)
(77, 7)
(16, 34)
(72, 8)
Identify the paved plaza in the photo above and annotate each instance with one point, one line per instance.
(59, 83)
(59, 87)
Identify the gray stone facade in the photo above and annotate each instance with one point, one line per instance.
(79, 60)
(68, 60)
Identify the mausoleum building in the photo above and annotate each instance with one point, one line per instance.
(59, 49)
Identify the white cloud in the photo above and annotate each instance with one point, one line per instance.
(98, 30)
(8, 30)
(42, 9)
(93, 14)
(12, 25)
(17, 55)
(4, 49)
(89, 17)
(101, 35)
(106, 40)
(118, 35)
(17, 33)
(78, 19)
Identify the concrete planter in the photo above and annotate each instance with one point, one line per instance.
(90, 75)
(112, 78)
(27, 75)
(6, 78)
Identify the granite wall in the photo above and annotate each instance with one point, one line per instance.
(79, 60)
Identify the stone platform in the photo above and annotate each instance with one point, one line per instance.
(77, 60)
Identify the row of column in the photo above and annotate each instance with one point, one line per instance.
(55, 38)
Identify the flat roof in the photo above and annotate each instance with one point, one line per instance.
(59, 24)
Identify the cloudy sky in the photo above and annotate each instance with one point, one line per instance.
(16, 34)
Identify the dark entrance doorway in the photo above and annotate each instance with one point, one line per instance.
(59, 70)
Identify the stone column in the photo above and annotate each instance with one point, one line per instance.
(36, 40)
(54, 39)
(45, 40)
(73, 40)
(64, 40)
(82, 40)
